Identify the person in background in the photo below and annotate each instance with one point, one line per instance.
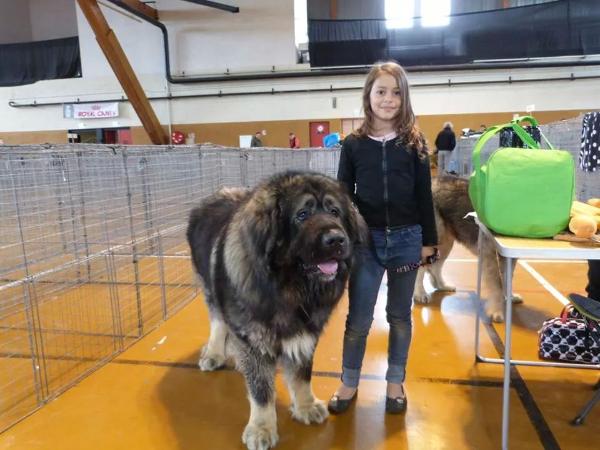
(294, 141)
(445, 143)
(384, 166)
(256, 140)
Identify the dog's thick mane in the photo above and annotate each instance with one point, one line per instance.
(252, 248)
(249, 236)
(452, 207)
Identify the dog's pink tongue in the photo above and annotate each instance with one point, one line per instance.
(328, 267)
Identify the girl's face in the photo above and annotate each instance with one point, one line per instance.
(385, 98)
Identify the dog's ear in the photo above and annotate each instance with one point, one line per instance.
(262, 222)
(357, 226)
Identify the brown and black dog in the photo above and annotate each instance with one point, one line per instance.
(452, 204)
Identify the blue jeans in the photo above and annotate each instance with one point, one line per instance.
(391, 249)
(447, 161)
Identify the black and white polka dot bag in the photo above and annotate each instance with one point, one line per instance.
(589, 154)
(570, 338)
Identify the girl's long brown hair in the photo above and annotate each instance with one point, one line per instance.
(404, 122)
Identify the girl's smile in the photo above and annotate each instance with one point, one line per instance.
(385, 98)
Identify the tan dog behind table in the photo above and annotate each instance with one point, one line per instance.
(452, 204)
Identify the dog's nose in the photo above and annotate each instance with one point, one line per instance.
(333, 238)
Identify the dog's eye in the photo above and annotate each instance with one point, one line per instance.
(302, 215)
(335, 212)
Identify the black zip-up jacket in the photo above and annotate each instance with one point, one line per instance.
(445, 140)
(390, 186)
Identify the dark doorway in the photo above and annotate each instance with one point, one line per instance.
(101, 136)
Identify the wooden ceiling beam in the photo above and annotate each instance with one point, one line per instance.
(120, 64)
(142, 8)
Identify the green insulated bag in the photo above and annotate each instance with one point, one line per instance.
(524, 192)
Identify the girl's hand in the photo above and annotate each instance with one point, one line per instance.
(429, 255)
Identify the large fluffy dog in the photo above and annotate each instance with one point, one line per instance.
(452, 204)
(274, 262)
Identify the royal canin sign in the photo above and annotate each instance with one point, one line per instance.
(95, 110)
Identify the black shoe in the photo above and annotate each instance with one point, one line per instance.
(337, 405)
(395, 405)
(586, 306)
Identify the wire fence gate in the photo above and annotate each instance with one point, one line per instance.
(93, 252)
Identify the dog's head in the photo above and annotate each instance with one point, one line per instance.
(306, 221)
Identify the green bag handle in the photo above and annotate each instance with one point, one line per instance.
(524, 135)
(530, 119)
(520, 131)
(515, 124)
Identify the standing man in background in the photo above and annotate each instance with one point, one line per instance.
(256, 141)
(294, 141)
(445, 143)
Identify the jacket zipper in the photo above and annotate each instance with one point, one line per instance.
(385, 186)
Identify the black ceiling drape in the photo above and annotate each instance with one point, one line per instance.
(566, 27)
(28, 62)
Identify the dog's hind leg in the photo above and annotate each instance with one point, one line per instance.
(494, 307)
(516, 298)
(305, 407)
(212, 355)
(435, 269)
(492, 276)
(259, 372)
(420, 295)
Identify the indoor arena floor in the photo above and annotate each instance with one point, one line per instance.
(153, 396)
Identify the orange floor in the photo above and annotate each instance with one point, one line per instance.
(153, 396)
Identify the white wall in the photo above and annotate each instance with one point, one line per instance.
(441, 99)
(15, 25)
(52, 19)
(269, 32)
(36, 20)
(141, 42)
(208, 40)
(202, 39)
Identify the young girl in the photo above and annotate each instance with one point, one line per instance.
(385, 167)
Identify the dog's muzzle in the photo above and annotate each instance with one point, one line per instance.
(334, 247)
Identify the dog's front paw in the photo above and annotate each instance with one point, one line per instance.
(313, 413)
(422, 298)
(259, 437)
(494, 312)
(210, 361)
(517, 299)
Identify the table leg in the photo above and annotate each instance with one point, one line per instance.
(507, 288)
(478, 301)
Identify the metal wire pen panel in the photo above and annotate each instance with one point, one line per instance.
(93, 252)
(566, 135)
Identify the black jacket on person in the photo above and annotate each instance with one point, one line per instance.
(390, 185)
(255, 142)
(445, 140)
